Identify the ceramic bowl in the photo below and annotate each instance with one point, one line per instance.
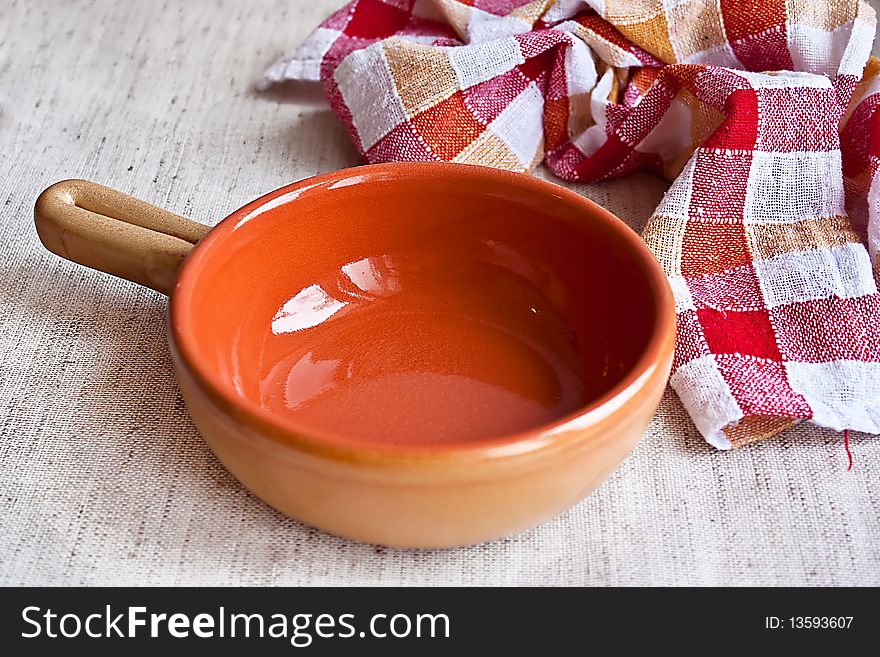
(416, 354)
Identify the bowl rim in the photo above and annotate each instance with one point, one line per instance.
(655, 356)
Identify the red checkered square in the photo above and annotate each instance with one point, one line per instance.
(557, 81)
(768, 49)
(731, 289)
(376, 19)
(740, 129)
(756, 32)
(533, 44)
(829, 329)
(691, 339)
(615, 116)
(637, 161)
(798, 119)
(566, 160)
(720, 182)
(403, 143)
(339, 18)
(610, 155)
(865, 120)
(761, 387)
(744, 332)
(534, 69)
(486, 100)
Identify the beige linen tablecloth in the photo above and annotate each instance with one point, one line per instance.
(103, 477)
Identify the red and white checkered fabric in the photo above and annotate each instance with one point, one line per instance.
(755, 110)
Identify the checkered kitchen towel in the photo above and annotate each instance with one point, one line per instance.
(754, 108)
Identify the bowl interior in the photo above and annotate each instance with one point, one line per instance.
(417, 305)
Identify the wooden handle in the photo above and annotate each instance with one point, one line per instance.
(110, 231)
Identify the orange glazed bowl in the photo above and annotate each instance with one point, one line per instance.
(414, 354)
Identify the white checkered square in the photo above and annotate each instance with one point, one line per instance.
(562, 9)
(580, 69)
(681, 293)
(794, 277)
(671, 136)
(672, 4)
(859, 46)
(478, 63)
(303, 63)
(785, 80)
(788, 187)
(589, 140)
(842, 393)
(483, 27)
(519, 125)
(816, 50)
(707, 398)
(375, 107)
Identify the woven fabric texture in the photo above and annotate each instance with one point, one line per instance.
(103, 477)
(739, 102)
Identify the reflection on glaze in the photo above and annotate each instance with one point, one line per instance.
(426, 347)
(263, 208)
(362, 279)
(309, 378)
(349, 181)
(308, 308)
(373, 276)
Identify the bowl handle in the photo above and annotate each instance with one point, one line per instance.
(110, 231)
